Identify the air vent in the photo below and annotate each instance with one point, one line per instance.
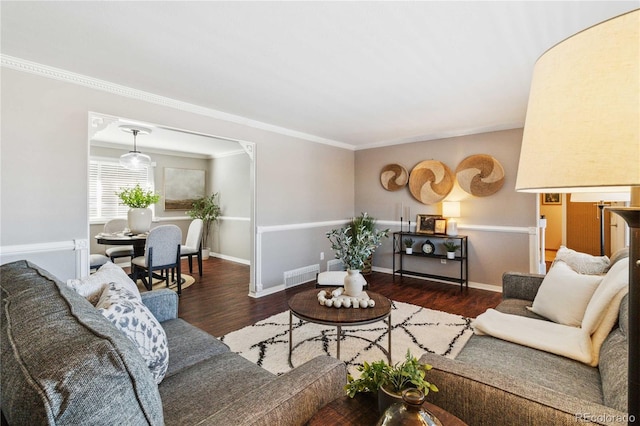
(335, 265)
(300, 275)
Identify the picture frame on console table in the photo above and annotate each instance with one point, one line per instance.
(426, 223)
(440, 226)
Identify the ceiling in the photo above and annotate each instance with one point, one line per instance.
(359, 74)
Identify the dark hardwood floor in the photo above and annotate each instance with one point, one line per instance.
(219, 303)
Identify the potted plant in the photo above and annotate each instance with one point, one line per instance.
(368, 224)
(138, 200)
(207, 209)
(451, 248)
(408, 245)
(388, 381)
(353, 244)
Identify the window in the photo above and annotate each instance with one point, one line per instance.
(106, 177)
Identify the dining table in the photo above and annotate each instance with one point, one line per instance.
(138, 241)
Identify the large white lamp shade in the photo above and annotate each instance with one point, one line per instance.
(582, 134)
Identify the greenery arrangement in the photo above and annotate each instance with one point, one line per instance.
(137, 198)
(408, 242)
(394, 378)
(354, 243)
(207, 209)
(450, 246)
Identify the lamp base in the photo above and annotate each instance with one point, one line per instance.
(452, 228)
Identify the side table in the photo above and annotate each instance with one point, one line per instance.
(362, 410)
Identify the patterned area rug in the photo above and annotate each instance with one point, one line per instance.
(418, 329)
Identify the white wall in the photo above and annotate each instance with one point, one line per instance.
(44, 169)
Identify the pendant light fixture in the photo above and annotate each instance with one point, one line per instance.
(135, 160)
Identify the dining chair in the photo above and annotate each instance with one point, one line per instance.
(193, 245)
(114, 226)
(162, 253)
(96, 261)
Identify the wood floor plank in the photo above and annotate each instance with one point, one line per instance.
(219, 303)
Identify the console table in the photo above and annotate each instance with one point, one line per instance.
(438, 255)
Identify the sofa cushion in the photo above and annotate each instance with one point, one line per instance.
(209, 386)
(552, 371)
(63, 363)
(125, 310)
(188, 345)
(91, 287)
(564, 294)
(583, 263)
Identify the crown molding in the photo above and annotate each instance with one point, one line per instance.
(23, 65)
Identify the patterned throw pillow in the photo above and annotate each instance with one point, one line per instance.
(583, 263)
(92, 287)
(133, 318)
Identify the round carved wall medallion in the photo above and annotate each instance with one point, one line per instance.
(393, 177)
(480, 175)
(430, 181)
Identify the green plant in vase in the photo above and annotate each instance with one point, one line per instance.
(207, 209)
(388, 381)
(138, 200)
(451, 247)
(408, 245)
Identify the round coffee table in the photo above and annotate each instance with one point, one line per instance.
(305, 306)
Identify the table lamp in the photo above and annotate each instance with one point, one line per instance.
(600, 198)
(451, 210)
(581, 134)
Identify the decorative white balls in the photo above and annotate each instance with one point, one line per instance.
(338, 299)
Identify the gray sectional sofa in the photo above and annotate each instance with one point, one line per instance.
(496, 382)
(63, 363)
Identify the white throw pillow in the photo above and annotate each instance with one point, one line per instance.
(564, 295)
(91, 287)
(583, 263)
(134, 319)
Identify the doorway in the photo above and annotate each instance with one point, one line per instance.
(179, 148)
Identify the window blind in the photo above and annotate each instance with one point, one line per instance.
(106, 178)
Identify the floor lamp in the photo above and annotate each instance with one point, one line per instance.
(582, 135)
(601, 199)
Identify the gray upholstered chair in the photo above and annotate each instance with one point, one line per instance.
(193, 244)
(114, 226)
(162, 253)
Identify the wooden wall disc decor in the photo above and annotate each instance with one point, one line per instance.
(430, 181)
(393, 177)
(480, 175)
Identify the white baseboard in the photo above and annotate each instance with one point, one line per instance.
(229, 258)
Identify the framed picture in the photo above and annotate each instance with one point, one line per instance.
(552, 198)
(440, 226)
(182, 187)
(426, 223)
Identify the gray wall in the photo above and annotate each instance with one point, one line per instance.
(45, 158)
(494, 224)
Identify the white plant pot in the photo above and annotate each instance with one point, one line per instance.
(139, 220)
(353, 283)
(205, 253)
(451, 255)
(409, 250)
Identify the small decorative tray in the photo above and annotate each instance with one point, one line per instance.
(338, 299)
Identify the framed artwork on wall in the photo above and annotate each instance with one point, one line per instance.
(426, 223)
(182, 187)
(552, 198)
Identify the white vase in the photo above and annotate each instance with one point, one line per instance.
(205, 253)
(409, 250)
(353, 283)
(451, 255)
(139, 220)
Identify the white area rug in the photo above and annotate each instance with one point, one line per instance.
(418, 329)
